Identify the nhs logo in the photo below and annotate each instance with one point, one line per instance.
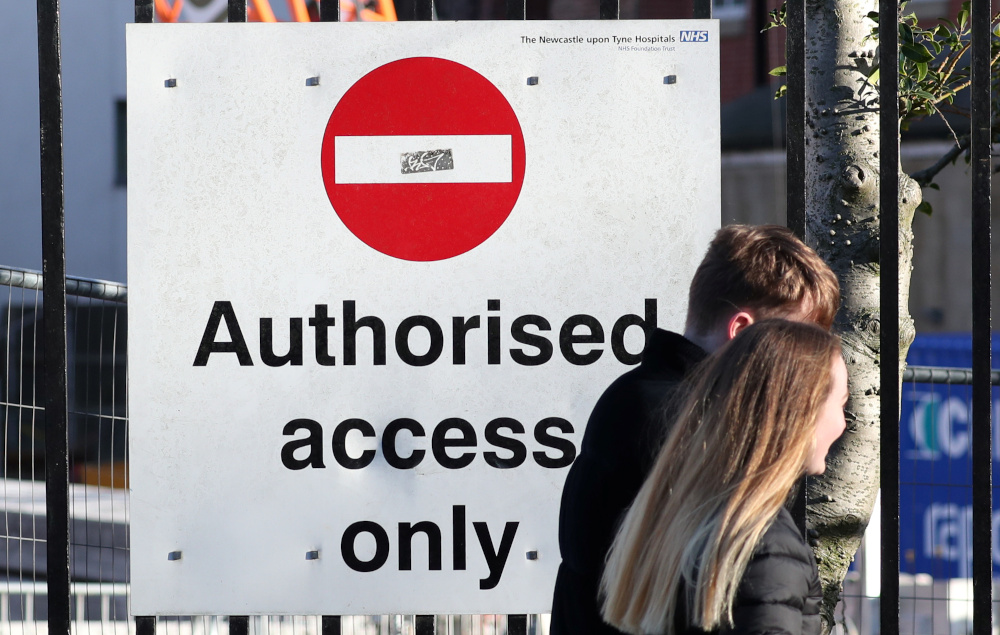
(694, 36)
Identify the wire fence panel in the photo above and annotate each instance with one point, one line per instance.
(24, 551)
(937, 491)
(98, 460)
(935, 502)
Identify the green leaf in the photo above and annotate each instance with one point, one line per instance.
(873, 77)
(921, 71)
(925, 208)
(782, 90)
(963, 16)
(873, 16)
(905, 34)
(778, 71)
(933, 186)
(916, 53)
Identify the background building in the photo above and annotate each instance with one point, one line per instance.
(752, 130)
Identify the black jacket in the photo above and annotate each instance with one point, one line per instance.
(623, 435)
(780, 593)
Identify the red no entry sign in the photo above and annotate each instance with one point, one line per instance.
(423, 159)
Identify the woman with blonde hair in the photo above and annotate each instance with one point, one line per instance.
(708, 544)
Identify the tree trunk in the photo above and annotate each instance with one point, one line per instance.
(842, 224)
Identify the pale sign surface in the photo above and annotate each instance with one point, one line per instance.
(378, 276)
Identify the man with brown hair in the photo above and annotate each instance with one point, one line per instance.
(748, 274)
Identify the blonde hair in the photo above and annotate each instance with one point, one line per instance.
(741, 440)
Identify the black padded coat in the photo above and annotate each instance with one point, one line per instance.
(621, 441)
(780, 593)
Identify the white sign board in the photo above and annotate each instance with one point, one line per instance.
(378, 276)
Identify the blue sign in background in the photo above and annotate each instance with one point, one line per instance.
(935, 497)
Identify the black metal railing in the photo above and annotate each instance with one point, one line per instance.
(57, 287)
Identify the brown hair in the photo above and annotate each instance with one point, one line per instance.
(744, 432)
(763, 269)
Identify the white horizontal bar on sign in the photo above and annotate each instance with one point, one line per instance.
(423, 159)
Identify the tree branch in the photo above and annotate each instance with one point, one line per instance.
(925, 176)
(944, 120)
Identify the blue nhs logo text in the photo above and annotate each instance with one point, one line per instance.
(694, 36)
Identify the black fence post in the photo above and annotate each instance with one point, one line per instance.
(889, 312)
(329, 10)
(517, 625)
(145, 625)
(423, 10)
(143, 11)
(795, 117)
(517, 9)
(610, 9)
(795, 159)
(982, 443)
(423, 625)
(237, 11)
(330, 625)
(54, 376)
(239, 625)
